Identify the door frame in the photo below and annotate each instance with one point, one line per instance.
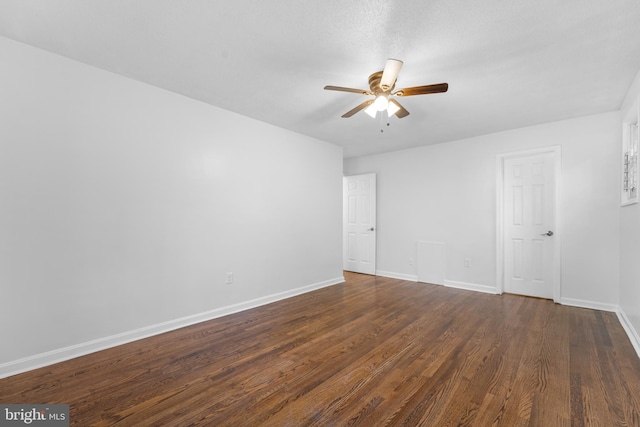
(557, 255)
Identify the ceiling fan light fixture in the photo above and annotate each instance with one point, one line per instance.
(371, 110)
(392, 109)
(381, 103)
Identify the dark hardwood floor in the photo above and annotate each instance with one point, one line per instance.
(371, 352)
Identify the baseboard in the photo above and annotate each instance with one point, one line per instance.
(448, 283)
(470, 287)
(629, 329)
(66, 353)
(593, 305)
(399, 276)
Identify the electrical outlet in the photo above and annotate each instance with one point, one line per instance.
(410, 261)
(467, 262)
(229, 278)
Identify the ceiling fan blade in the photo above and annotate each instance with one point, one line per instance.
(422, 90)
(348, 89)
(402, 112)
(362, 106)
(390, 73)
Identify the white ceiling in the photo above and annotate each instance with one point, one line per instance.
(509, 64)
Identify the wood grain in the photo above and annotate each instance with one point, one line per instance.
(371, 351)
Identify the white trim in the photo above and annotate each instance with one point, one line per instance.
(500, 159)
(593, 305)
(471, 287)
(60, 355)
(632, 119)
(399, 276)
(447, 283)
(629, 329)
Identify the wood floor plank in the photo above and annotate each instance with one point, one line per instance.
(371, 351)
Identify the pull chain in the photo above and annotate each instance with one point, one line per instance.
(384, 117)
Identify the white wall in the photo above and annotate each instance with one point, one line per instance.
(630, 242)
(447, 193)
(122, 206)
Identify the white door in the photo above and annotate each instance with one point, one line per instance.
(359, 218)
(529, 224)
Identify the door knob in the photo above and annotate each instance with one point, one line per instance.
(548, 233)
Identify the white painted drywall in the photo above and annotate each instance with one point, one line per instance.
(431, 260)
(630, 235)
(123, 205)
(446, 193)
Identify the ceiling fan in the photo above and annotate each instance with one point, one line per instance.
(382, 84)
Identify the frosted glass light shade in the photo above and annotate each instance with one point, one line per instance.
(371, 110)
(392, 109)
(381, 103)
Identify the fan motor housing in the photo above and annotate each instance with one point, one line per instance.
(374, 84)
